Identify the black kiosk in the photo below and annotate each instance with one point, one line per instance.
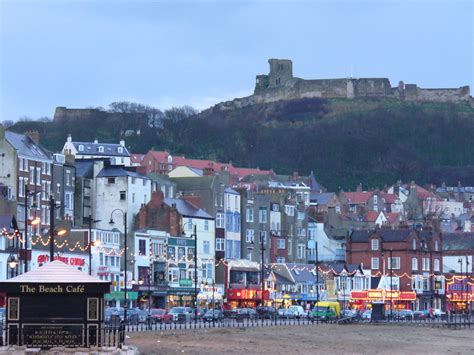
(55, 305)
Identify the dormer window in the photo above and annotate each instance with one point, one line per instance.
(413, 245)
(120, 150)
(81, 148)
(101, 149)
(375, 244)
(170, 159)
(436, 245)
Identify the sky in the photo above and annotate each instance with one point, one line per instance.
(81, 53)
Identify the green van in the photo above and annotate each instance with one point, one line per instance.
(325, 311)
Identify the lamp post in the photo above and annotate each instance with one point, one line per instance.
(317, 280)
(111, 222)
(194, 234)
(391, 275)
(91, 221)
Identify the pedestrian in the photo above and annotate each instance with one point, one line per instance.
(431, 313)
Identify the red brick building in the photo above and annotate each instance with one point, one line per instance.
(411, 259)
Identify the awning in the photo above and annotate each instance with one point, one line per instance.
(120, 296)
(242, 268)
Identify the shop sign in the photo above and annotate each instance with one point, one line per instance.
(246, 294)
(67, 260)
(120, 296)
(185, 282)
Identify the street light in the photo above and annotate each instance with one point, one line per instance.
(194, 234)
(111, 222)
(262, 250)
(91, 221)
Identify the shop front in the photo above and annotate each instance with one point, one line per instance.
(246, 298)
(209, 296)
(181, 297)
(459, 295)
(365, 299)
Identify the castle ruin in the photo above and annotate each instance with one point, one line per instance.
(280, 84)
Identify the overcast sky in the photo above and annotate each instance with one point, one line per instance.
(164, 53)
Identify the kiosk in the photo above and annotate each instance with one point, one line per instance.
(55, 305)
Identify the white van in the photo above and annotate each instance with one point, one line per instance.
(299, 311)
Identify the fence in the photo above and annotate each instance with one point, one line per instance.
(69, 336)
(453, 322)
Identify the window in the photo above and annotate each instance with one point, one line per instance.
(289, 210)
(101, 149)
(436, 265)
(48, 167)
(219, 244)
(142, 246)
(301, 251)
(68, 198)
(111, 180)
(206, 247)
(263, 234)
(414, 264)
(206, 225)
(281, 243)
(300, 216)
(249, 236)
(280, 259)
(173, 275)
(133, 180)
(394, 263)
(21, 187)
(123, 196)
(120, 149)
(375, 244)
(207, 271)
(413, 245)
(262, 215)
(32, 175)
(426, 264)
(81, 148)
(101, 258)
(436, 246)
(374, 263)
(219, 220)
(189, 224)
(249, 214)
(133, 197)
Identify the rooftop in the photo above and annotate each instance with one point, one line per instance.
(109, 149)
(24, 145)
(187, 209)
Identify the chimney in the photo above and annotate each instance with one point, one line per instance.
(157, 198)
(34, 135)
(359, 187)
(122, 143)
(96, 141)
(295, 175)
(69, 138)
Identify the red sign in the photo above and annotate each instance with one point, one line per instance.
(67, 260)
(460, 289)
(380, 294)
(246, 294)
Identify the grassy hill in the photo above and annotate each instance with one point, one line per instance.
(372, 141)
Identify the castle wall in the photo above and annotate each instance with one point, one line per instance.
(444, 95)
(372, 87)
(63, 114)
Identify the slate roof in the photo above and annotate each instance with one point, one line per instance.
(187, 209)
(24, 145)
(321, 198)
(56, 272)
(301, 273)
(387, 235)
(118, 171)
(458, 241)
(84, 168)
(8, 222)
(110, 149)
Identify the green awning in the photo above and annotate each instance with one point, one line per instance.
(120, 296)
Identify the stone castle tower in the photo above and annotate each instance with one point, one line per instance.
(281, 71)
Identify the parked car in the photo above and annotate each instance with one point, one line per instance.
(142, 315)
(180, 313)
(323, 313)
(438, 313)
(246, 313)
(299, 311)
(349, 313)
(213, 315)
(200, 313)
(420, 315)
(394, 314)
(230, 313)
(367, 315)
(133, 317)
(287, 313)
(266, 312)
(406, 314)
(160, 316)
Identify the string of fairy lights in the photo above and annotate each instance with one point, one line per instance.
(325, 270)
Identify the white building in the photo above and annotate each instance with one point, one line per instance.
(119, 188)
(232, 224)
(329, 249)
(117, 153)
